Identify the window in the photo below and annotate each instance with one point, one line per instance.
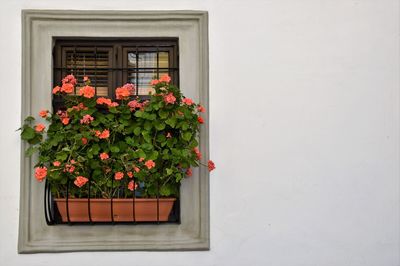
(110, 63)
(41, 29)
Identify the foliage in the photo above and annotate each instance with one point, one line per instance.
(119, 147)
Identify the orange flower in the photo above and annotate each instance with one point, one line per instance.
(124, 91)
(200, 119)
(187, 101)
(102, 100)
(132, 186)
(40, 173)
(211, 165)
(43, 113)
(189, 172)
(130, 174)
(137, 170)
(87, 92)
(197, 152)
(56, 89)
(67, 88)
(104, 156)
(69, 168)
(165, 78)
(154, 82)
(169, 98)
(84, 141)
(105, 134)
(56, 163)
(201, 109)
(65, 120)
(87, 119)
(118, 175)
(40, 127)
(80, 181)
(134, 104)
(150, 164)
(69, 79)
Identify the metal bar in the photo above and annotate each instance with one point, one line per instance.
(112, 193)
(66, 203)
(74, 65)
(46, 203)
(89, 212)
(119, 68)
(137, 71)
(134, 199)
(95, 69)
(158, 65)
(158, 203)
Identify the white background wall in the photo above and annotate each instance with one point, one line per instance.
(304, 102)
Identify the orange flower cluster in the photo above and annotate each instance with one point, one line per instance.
(187, 101)
(169, 98)
(40, 127)
(150, 164)
(197, 152)
(102, 135)
(125, 91)
(64, 117)
(87, 92)
(211, 165)
(106, 101)
(68, 85)
(163, 78)
(104, 156)
(40, 173)
(43, 113)
(80, 181)
(132, 185)
(118, 175)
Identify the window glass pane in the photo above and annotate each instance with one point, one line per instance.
(147, 60)
(163, 60)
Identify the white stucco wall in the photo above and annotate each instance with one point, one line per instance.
(304, 105)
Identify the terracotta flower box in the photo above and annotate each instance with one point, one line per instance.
(100, 209)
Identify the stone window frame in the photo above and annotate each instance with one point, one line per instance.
(39, 27)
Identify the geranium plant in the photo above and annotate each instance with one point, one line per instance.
(120, 146)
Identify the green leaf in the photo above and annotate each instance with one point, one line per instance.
(147, 125)
(31, 150)
(141, 154)
(114, 149)
(130, 141)
(137, 131)
(138, 113)
(185, 126)
(178, 177)
(169, 171)
(171, 122)
(153, 156)
(62, 156)
(163, 114)
(29, 119)
(165, 190)
(113, 110)
(187, 136)
(146, 136)
(28, 133)
(147, 146)
(159, 126)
